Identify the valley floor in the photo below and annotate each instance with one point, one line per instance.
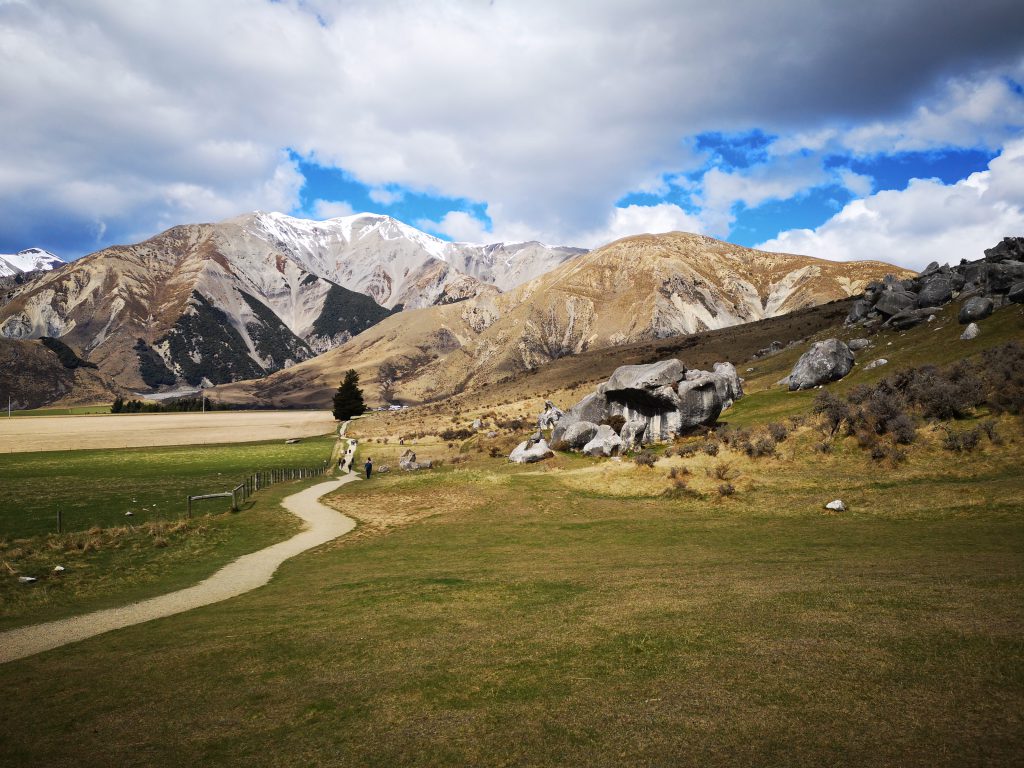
(582, 612)
(54, 433)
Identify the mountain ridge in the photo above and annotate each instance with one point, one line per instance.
(635, 289)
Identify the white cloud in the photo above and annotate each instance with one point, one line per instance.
(548, 112)
(384, 196)
(459, 226)
(928, 221)
(331, 209)
(641, 219)
(721, 190)
(859, 184)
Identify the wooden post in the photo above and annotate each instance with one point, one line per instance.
(60, 522)
(190, 507)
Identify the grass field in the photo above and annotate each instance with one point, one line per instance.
(74, 410)
(115, 566)
(97, 488)
(140, 430)
(571, 613)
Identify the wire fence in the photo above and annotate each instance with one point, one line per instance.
(258, 481)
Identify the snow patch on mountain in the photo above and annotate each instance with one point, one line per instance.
(28, 260)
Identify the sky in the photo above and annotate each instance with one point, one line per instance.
(881, 129)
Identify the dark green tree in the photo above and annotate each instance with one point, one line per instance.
(348, 400)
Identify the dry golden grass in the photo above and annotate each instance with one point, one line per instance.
(56, 433)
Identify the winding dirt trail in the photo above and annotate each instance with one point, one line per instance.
(238, 577)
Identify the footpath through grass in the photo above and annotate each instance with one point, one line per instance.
(97, 487)
(569, 614)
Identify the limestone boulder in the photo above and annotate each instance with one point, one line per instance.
(1009, 249)
(700, 403)
(605, 443)
(935, 291)
(970, 332)
(974, 309)
(574, 436)
(550, 416)
(407, 462)
(856, 345)
(632, 434)
(1016, 293)
(647, 378)
(858, 311)
(825, 361)
(528, 452)
(892, 302)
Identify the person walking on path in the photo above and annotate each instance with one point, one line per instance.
(368, 466)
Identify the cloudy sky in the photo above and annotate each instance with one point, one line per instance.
(889, 129)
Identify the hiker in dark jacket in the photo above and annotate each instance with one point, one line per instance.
(368, 466)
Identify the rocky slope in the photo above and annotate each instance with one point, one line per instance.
(636, 289)
(252, 295)
(35, 374)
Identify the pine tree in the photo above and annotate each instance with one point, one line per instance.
(348, 400)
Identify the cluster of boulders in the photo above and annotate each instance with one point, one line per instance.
(981, 286)
(407, 462)
(638, 405)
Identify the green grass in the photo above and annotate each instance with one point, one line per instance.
(494, 615)
(116, 566)
(77, 410)
(97, 487)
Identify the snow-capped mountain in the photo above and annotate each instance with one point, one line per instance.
(400, 265)
(29, 260)
(252, 295)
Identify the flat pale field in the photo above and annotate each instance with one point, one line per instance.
(61, 433)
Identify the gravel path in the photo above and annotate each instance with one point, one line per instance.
(244, 574)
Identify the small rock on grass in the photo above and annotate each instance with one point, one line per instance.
(970, 332)
(836, 506)
(26, 579)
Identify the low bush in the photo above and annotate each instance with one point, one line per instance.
(726, 489)
(645, 459)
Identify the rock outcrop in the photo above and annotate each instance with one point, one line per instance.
(981, 286)
(825, 361)
(550, 416)
(407, 462)
(647, 404)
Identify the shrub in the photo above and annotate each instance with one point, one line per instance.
(645, 459)
(965, 441)
(678, 472)
(778, 431)
(722, 470)
(833, 410)
(494, 452)
(825, 446)
(903, 429)
(726, 489)
(457, 434)
(761, 446)
(711, 449)
(991, 429)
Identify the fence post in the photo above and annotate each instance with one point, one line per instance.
(60, 521)
(190, 507)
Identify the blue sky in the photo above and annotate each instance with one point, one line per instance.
(877, 130)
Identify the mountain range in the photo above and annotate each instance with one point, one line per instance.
(213, 303)
(636, 289)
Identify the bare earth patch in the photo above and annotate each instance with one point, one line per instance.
(55, 433)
